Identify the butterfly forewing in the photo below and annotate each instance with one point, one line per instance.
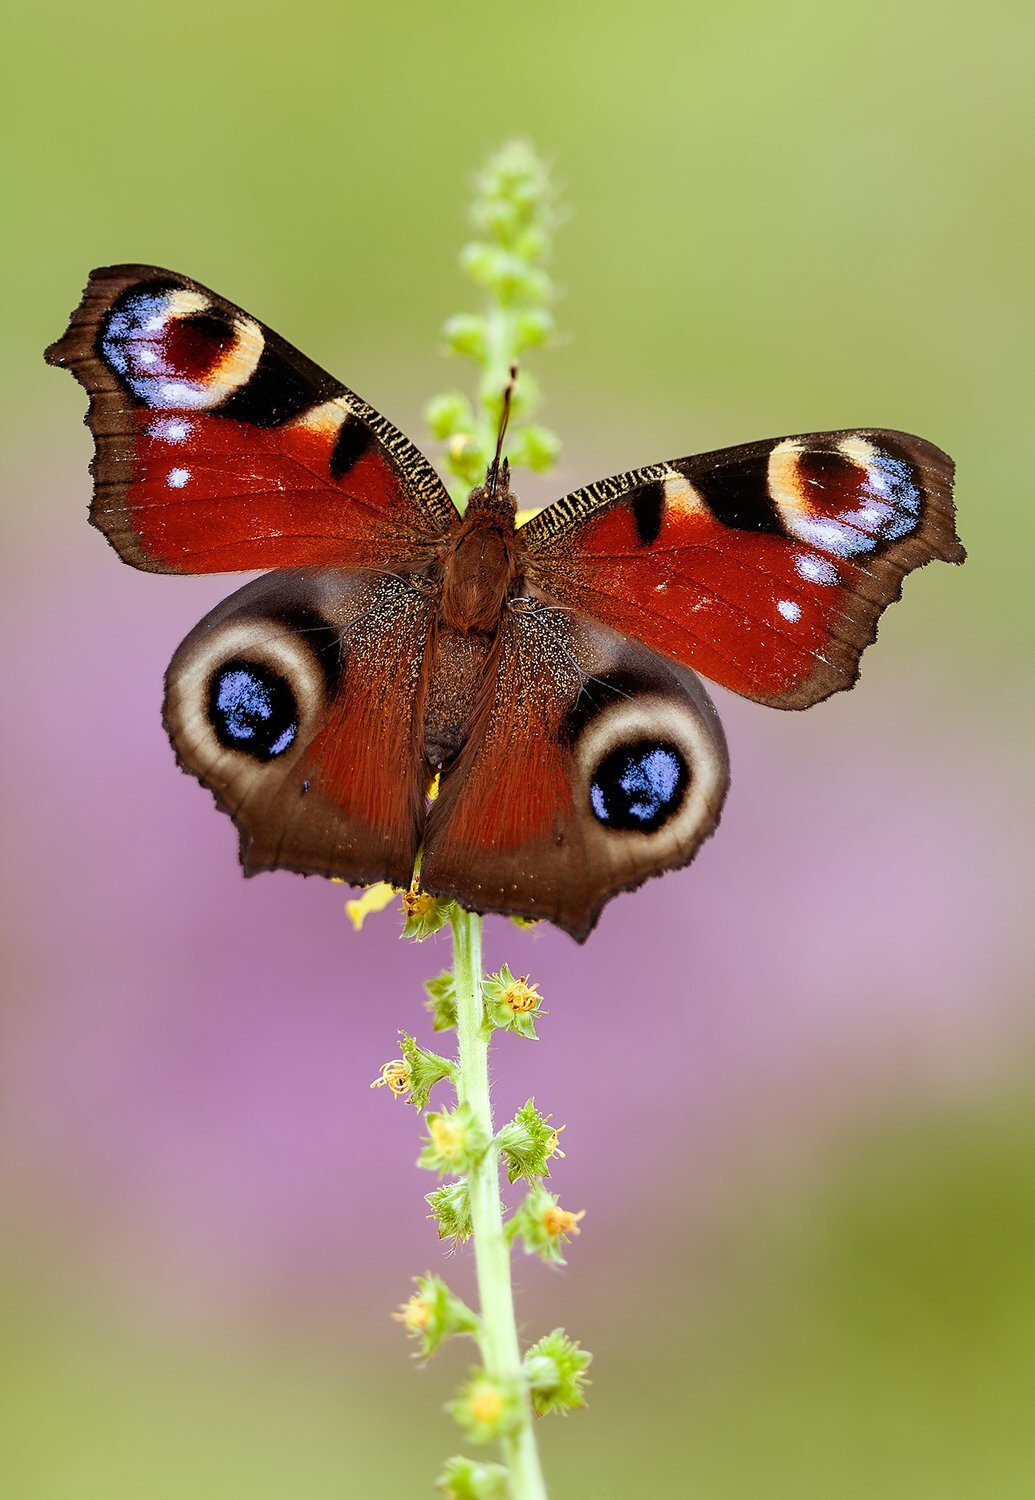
(764, 567)
(221, 448)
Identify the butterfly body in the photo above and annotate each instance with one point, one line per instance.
(480, 561)
(546, 672)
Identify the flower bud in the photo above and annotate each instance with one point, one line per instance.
(533, 326)
(465, 334)
(487, 1407)
(464, 1479)
(544, 1226)
(433, 1314)
(555, 1369)
(450, 1207)
(454, 1142)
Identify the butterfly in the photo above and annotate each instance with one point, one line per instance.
(546, 673)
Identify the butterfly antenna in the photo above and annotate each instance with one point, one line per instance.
(492, 478)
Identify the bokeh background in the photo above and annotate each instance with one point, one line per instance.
(798, 1077)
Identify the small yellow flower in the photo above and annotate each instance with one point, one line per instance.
(433, 1315)
(414, 1315)
(395, 1075)
(417, 903)
(487, 1407)
(485, 1404)
(448, 1136)
(521, 997)
(561, 1223)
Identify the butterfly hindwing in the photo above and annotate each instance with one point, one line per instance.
(765, 567)
(592, 764)
(221, 448)
(299, 702)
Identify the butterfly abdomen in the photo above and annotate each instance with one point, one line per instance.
(459, 663)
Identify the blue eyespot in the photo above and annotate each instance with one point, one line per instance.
(252, 709)
(639, 786)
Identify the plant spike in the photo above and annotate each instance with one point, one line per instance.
(514, 215)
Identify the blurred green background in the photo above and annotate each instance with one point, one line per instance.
(782, 217)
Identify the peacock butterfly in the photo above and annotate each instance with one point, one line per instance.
(543, 670)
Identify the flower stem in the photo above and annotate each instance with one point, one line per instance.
(500, 1347)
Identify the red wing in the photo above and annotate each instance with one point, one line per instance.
(592, 764)
(299, 702)
(221, 448)
(765, 567)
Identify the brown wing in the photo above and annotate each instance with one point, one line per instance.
(592, 764)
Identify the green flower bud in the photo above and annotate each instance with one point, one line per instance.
(441, 1001)
(481, 261)
(555, 1370)
(467, 458)
(500, 271)
(455, 1142)
(424, 1069)
(463, 1479)
(535, 448)
(450, 1207)
(532, 327)
(465, 334)
(517, 174)
(528, 1142)
(526, 283)
(533, 243)
(449, 414)
(497, 216)
(425, 914)
(487, 1407)
(434, 1314)
(544, 1226)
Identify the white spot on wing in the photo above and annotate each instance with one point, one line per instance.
(789, 609)
(833, 536)
(177, 478)
(815, 569)
(170, 429)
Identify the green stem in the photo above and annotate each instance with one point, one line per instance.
(500, 1347)
(499, 353)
